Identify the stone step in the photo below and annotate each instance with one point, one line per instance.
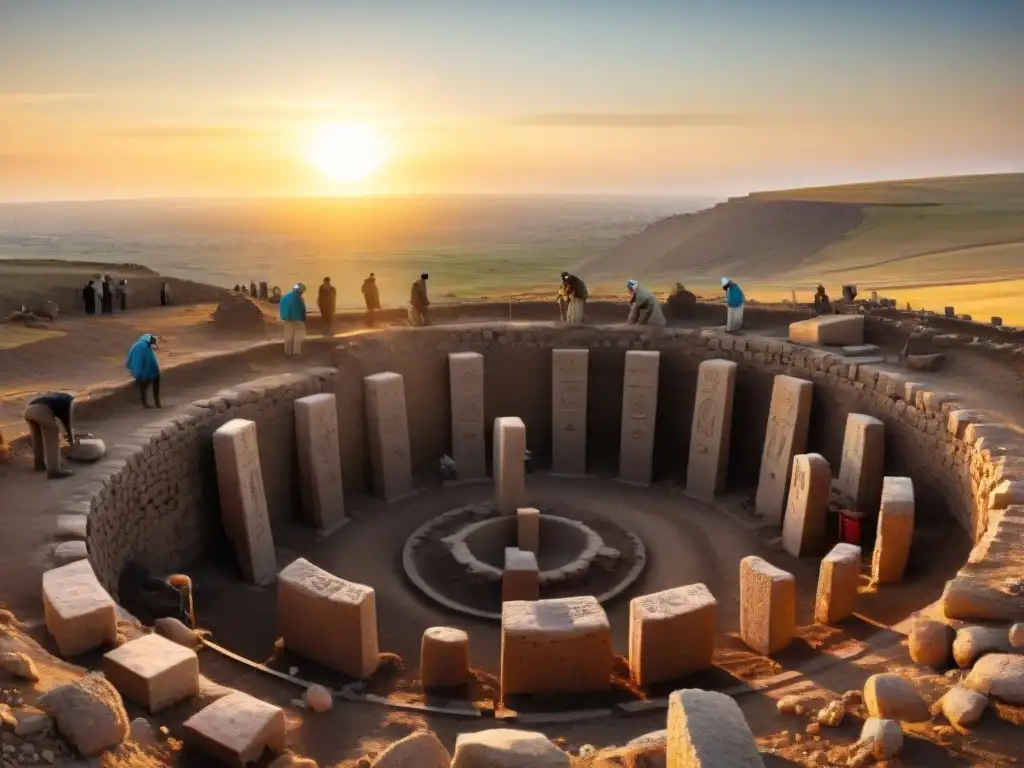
(861, 350)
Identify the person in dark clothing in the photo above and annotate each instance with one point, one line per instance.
(165, 294)
(149, 598)
(44, 417)
(89, 297)
(106, 297)
(822, 304)
(681, 303)
(253, 290)
(122, 295)
(576, 290)
(418, 302)
(327, 302)
(371, 295)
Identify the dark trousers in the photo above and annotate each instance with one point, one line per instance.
(107, 305)
(144, 386)
(90, 306)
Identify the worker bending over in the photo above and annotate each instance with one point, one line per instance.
(576, 291)
(44, 416)
(644, 307)
(734, 301)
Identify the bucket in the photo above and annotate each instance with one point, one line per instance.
(849, 530)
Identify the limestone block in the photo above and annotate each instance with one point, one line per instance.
(466, 374)
(974, 431)
(1007, 494)
(388, 427)
(767, 605)
(803, 527)
(555, 646)
(962, 706)
(834, 330)
(569, 411)
(910, 390)
(153, 671)
(882, 737)
(895, 530)
(838, 578)
(930, 642)
(507, 748)
(509, 464)
(243, 502)
(639, 414)
(671, 633)
(788, 421)
(444, 657)
(712, 425)
(887, 695)
(316, 441)
(958, 421)
(528, 529)
(999, 675)
(863, 463)
(236, 729)
(328, 619)
(521, 578)
(417, 750)
(972, 642)
(974, 598)
(78, 611)
(706, 729)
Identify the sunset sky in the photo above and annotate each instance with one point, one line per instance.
(105, 99)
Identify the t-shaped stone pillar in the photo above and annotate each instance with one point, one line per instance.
(388, 427)
(316, 441)
(639, 413)
(712, 424)
(466, 370)
(509, 464)
(569, 411)
(788, 421)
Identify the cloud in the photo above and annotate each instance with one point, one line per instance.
(628, 120)
(197, 132)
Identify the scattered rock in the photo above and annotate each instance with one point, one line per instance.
(318, 698)
(930, 643)
(587, 751)
(140, 730)
(832, 713)
(973, 642)
(291, 760)
(87, 450)
(999, 675)
(962, 706)
(507, 748)
(7, 717)
(814, 728)
(789, 705)
(175, 630)
(33, 725)
(1017, 636)
(421, 749)
(89, 713)
(889, 696)
(47, 755)
(883, 738)
(19, 665)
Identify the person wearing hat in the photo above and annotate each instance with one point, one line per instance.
(145, 368)
(418, 302)
(293, 316)
(734, 300)
(576, 291)
(644, 307)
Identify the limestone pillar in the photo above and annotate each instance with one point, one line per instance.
(712, 424)
(788, 421)
(444, 658)
(863, 464)
(671, 633)
(466, 371)
(569, 411)
(243, 502)
(509, 464)
(767, 605)
(895, 530)
(388, 427)
(639, 412)
(316, 440)
(521, 578)
(838, 579)
(528, 529)
(707, 729)
(803, 527)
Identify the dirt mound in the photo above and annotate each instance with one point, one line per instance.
(743, 238)
(238, 314)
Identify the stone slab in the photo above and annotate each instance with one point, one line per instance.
(555, 646)
(444, 657)
(707, 729)
(521, 578)
(671, 633)
(895, 530)
(639, 416)
(466, 381)
(863, 462)
(153, 671)
(328, 619)
(958, 421)
(243, 501)
(767, 605)
(79, 613)
(838, 580)
(509, 464)
(528, 529)
(789, 419)
(712, 425)
(861, 350)
(235, 729)
(569, 411)
(388, 427)
(507, 748)
(316, 442)
(833, 330)
(803, 527)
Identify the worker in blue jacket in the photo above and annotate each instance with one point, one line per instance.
(734, 301)
(293, 315)
(145, 368)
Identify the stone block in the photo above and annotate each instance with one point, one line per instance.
(706, 729)
(999, 675)
(555, 646)
(712, 424)
(509, 464)
(388, 428)
(895, 530)
(962, 706)
(863, 462)
(949, 311)
(639, 415)
(838, 579)
(521, 578)
(417, 750)
(803, 527)
(569, 411)
(235, 729)
(788, 421)
(910, 390)
(507, 748)
(930, 642)
(466, 374)
(316, 442)
(996, 320)
(528, 529)
(328, 619)
(767, 605)
(671, 633)
(1007, 494)
(958, 421)
(887, 695)
(243, 501)
(444, 658)
(153, 671)
(79, 613)
(833, 330)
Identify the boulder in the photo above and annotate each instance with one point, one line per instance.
(49, 310)
(889, 696)
(19, 665)
(882, 737)
(930, 643)
(318, 698)
(507, 748)
(832, 714)
(973, 642)
(999, 675)
(962, 706)
(1017, 636)
(86, 451)
(89, 713)
(419, 750)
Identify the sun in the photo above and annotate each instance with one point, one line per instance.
(347, 152)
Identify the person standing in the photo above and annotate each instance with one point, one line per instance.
(734, 301)
(644, 307)
(253, 290)
(563, 301)
(106, 297)
(326, 302)
(44, 416)
(122, 295)
(418, 302)
(576, 290)
(89, 297)
(293, 315)
(145, 368)
(165, 294)
(371, 295)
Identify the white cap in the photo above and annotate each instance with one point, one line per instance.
(725, 281)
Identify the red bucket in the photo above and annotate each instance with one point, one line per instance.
(849, 530)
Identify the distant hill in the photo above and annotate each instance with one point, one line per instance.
(918, 232)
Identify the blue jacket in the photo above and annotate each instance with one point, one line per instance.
(734, 296)
(141, 361)
(292, 307)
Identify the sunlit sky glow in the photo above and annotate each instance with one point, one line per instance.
(691, 97)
